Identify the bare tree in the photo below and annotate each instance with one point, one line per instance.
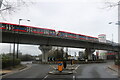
(8, 6)
(1, 3)
(109, 4)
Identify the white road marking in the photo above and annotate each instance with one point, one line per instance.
(26, 68)
(77, 67)
(45, 77)
(73, 77)
(52, 67)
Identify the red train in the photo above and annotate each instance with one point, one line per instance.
(36, 30)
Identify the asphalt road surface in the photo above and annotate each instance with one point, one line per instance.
(84, 71)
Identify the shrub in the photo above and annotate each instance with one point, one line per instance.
(117, 62)
(9, 62)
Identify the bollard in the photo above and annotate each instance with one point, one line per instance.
(64, 64)
(60, 66)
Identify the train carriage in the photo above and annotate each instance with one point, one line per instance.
(43, 31)
(37, 30)
(92, 38)
(13, 27)
(4, 26)
(77, 36)
(82, 37)
(67, 34)
(24, 28)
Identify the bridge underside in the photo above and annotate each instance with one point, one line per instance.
(39, 39)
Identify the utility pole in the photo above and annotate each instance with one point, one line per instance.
(119, 28)
(14, 51)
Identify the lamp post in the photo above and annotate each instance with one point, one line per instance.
(118, 23)
(18, 35)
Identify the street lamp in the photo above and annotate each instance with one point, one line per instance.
(18, 35)
(118, 23)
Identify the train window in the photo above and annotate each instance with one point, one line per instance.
(3, 25)
(31, 29)
(41, 30)
(90, 38)
(71, 34)
(62, 34)
(74, 35)
(22, 27)
(34, 29)
(46, 31)
(52, 32)
(10, 27)
(68, 34)
(7, 26)
(27, 29)
(14, 26)
(77, 36)
(80, 36)
(0, 25)
(37, 30)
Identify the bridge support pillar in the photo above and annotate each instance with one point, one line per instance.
(88, 53)
(45, 49)
(90, 56)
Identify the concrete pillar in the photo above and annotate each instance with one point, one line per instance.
(45, 49)
(90, 56)
(89, 52)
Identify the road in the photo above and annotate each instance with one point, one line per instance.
(40, 71)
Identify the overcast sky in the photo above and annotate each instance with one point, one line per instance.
(88, 17)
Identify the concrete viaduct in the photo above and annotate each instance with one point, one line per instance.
(40, 39)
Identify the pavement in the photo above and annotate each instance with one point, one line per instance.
(114, 68)
(4, 72)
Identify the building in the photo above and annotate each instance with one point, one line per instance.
(102, 53)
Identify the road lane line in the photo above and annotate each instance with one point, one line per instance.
(52, 66)
(77, 67)
(73, 77)
(45, 77)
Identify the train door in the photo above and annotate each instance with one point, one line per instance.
(46, 31)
